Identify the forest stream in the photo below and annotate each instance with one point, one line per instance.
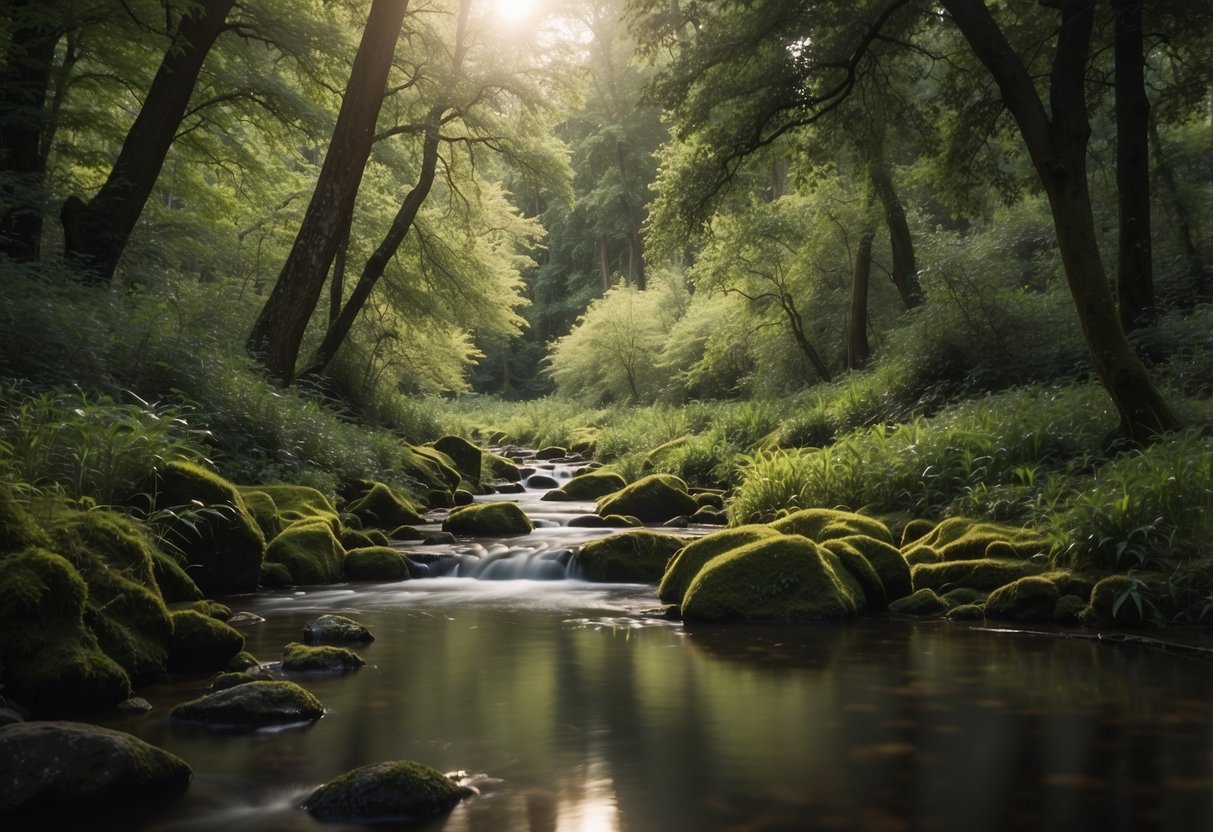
(574, 706)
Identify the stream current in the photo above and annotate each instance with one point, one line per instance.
(574, 709)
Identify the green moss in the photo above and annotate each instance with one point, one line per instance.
(1069, 610)
(985, 573)
(1071, 583)
(431, 468)
(304, 658)
(1122, 601)
(917, 553)
(383, 508)
(300, 504)
(885, 559)
(632, 557)
(212, 609)
(588, 486)
(785, 578)
(174, 583)
(705, 516)
(276, 575)
(375, 563)
(406, 533)
(242, 661)
(221, 544)
(924, 602)
(963, 538)
(708, 499)
(392, 791)
(551, 452)
(351, 539)
(105, 539)
(1027, 599)
(497, 467)
(465, 456)
(230, 679)
(964, 596)
(825, 523)
(310, 553)
(253, 705)
(653, 499)
(19, 529)
(488, 520)
(915, 530)
(966, 612)
(200, 644)
(690, 559)
(131, 623)
(264, 511)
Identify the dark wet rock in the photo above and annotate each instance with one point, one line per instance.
(395, 791)
(336, 629)
(630, 557)
(78, 768)
(588, 521)
(375, 563)
(303, 658)
(464, 498)
(536, 482)
(200, 644)
(252, 705)
(510, 487)
(705, 516)
(551, 452)
(1027, 599)
(439, 539)
(1069, 610)
(488, 520)
(924, 602)
(653, 499)
(134, 705)
(230, 680)
(406, 533)
(439, 499)
(8, 716)
(244, 619)
(966, 612)
(677, 523)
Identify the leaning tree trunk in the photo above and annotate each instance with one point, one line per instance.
(1134, 263)
(278, 330)
(858, 350)
(1058, 149)
(905, 264)
(96, 232)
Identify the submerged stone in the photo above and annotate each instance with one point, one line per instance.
(336, 629)
(631, 557)
(399, 791)
(252, 705)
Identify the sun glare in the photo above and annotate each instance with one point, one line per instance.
(515, 11)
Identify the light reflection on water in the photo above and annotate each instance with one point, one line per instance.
(593, 717)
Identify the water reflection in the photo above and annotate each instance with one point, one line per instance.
(593, 717)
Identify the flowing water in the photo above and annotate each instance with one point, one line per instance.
(575, 709)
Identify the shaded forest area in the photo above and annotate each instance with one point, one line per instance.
(919, 260)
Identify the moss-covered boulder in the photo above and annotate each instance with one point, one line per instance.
(383, 508)
(431, 468)
(50, 662)
(588, 486)
(488, 520)
(653, 499)
(966, 612)
(19, 529)
(1069, 610)
(786, 578)
(230, 679)
(859, 553)
(1122, 601)
(211, 609)
(242, 661)
(985, 573)
(220, 544)
(309, 552)
(264, 511)
(401, 792)
(551, 452)
(963, 538)
(825, 523)
(300, 504)
(924, 602)
(200, 644)
(353, 539)
(709, 499)
(1027, 599)
(250, 706)
(336, 629)
(497, 467)
(305, 658)
(705, 516)
(70, 769)
(466, 456)
(687, 562)
(962, 596)
(915, 530)
(375, 563)
(632, 557)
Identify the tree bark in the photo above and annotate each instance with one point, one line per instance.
(1134, 263)
(635, 245)
(96, 232)
(905, 264)
(802, 340)
(604, 263)
(858, 350)
(24, 79)
(337, 283)
(1058, 149)
(278, 330)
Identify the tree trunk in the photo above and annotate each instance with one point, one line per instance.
(24, 78)
(905, 264)
(604, 263)
(278, 330)
(337, 283)
(96, 232)
(1058, 149)
(1134, 263)
(635, 246)
(802, 340)
(858, 350)
(1198, 272)
(377, 263)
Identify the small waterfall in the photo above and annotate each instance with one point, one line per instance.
(508, 563)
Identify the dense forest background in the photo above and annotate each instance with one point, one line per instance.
(920, 259)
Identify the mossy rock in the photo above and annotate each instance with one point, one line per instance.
(242, 661)
(276, 575)
(300, 504)
(406, 533)
(200, 644)
(496, 467)
(466, 456)
(967, 612)
(401, 792)
(915, 530)
(1072, 583)
(383, 508)
(825, 523)
(884, 558)
(785, 579)
(691, 558)
(924, 602)
(551, 452)
(71, 770)
(488, 520)
(705, 516)
(437, 498)
(588, 486)
(307, 658)
(352, 539)
(463, 497)
(212, 609)
(231, 679)
(620, 521)
(652, 499)
(1069, 610)
(917, 553)
(264, 511)
(1122, 601)
(963, 538)
(251, 706)
(709, 499)
(985, 574)
(174, 582)
(430, 467)
(19, 529)
(375, 563)
(310, 553)
(336, 629)
(221, 545)
(1027, 599)
(50, 662)
(632, 557)
(963, 596)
